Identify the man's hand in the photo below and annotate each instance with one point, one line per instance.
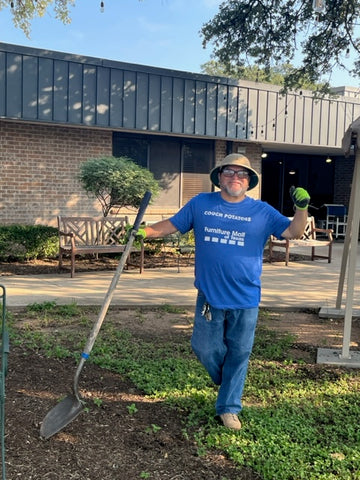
(300, 197)
(140, 234)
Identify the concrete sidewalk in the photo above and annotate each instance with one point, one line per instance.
(303, 284)
(306, 283)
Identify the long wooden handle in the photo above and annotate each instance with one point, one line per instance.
(97, 325)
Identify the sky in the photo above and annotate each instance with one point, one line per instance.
(159, 33)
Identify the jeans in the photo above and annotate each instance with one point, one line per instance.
(223, 344)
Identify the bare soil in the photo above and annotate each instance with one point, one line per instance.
(91, 263)
(106, 442)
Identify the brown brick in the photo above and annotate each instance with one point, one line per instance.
(42, 163)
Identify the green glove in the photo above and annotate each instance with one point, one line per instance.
(140, 234)
(300, 197)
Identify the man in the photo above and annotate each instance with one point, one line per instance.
(231, 230)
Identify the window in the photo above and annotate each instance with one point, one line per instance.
(132, 147)
(197, 163)
(181, 166)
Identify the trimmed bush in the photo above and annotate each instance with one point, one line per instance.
(117, 182)
(28, 242)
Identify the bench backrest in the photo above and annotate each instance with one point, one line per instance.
(309, 232)
(92, 230)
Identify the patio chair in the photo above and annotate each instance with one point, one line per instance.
(336, 218)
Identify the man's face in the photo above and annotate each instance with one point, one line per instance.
(234, 180)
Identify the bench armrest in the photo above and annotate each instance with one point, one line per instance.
(328, 231)
(67, 234)
(273, 239)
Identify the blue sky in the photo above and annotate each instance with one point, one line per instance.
(161, 33)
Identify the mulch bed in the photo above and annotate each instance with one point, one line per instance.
(105, 442)
(88, 263)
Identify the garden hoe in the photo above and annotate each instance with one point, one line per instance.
(70, 407)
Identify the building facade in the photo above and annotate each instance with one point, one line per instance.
(58, 110)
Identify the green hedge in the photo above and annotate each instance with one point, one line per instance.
(28, 242)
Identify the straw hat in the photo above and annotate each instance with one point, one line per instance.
(235, 159)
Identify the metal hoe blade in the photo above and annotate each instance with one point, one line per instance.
(61, 415)
(69, 408)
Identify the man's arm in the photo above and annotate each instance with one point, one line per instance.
(160, 229)
(297, 225)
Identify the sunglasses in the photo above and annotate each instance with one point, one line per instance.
(228, 172)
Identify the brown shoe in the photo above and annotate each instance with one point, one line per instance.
(231, 420)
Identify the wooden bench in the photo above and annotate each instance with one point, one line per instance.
(308, 239)
(89, 235)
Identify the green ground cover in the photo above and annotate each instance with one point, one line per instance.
(300, 420)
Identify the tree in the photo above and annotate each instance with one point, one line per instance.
(24, 11)
(272, 32)
(275, 76)
(117, 182)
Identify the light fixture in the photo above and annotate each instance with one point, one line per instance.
(328, 159)
(319, 6)
(292, 172)
(264, 155)
(102, 7)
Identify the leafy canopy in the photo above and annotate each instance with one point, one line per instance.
(24, 11)
(272, 32)
(275, 75)
(117, 182)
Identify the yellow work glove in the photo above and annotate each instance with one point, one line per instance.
(140, 234)
(300, 197)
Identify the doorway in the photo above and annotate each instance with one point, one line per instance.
(280, 171)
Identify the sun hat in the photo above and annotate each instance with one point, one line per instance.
(235, 159)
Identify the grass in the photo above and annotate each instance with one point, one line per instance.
(300, 420)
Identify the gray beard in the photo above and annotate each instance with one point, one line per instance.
(232, 193)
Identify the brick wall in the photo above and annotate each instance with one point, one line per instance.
(253, 152)
(343, 176)
(220, 150)
(40, 167)
(39, 170)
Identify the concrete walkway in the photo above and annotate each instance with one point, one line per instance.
(303, 284)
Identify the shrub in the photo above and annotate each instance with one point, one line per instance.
(28, 242)
(117, 182)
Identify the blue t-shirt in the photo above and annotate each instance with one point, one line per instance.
(229, 243)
